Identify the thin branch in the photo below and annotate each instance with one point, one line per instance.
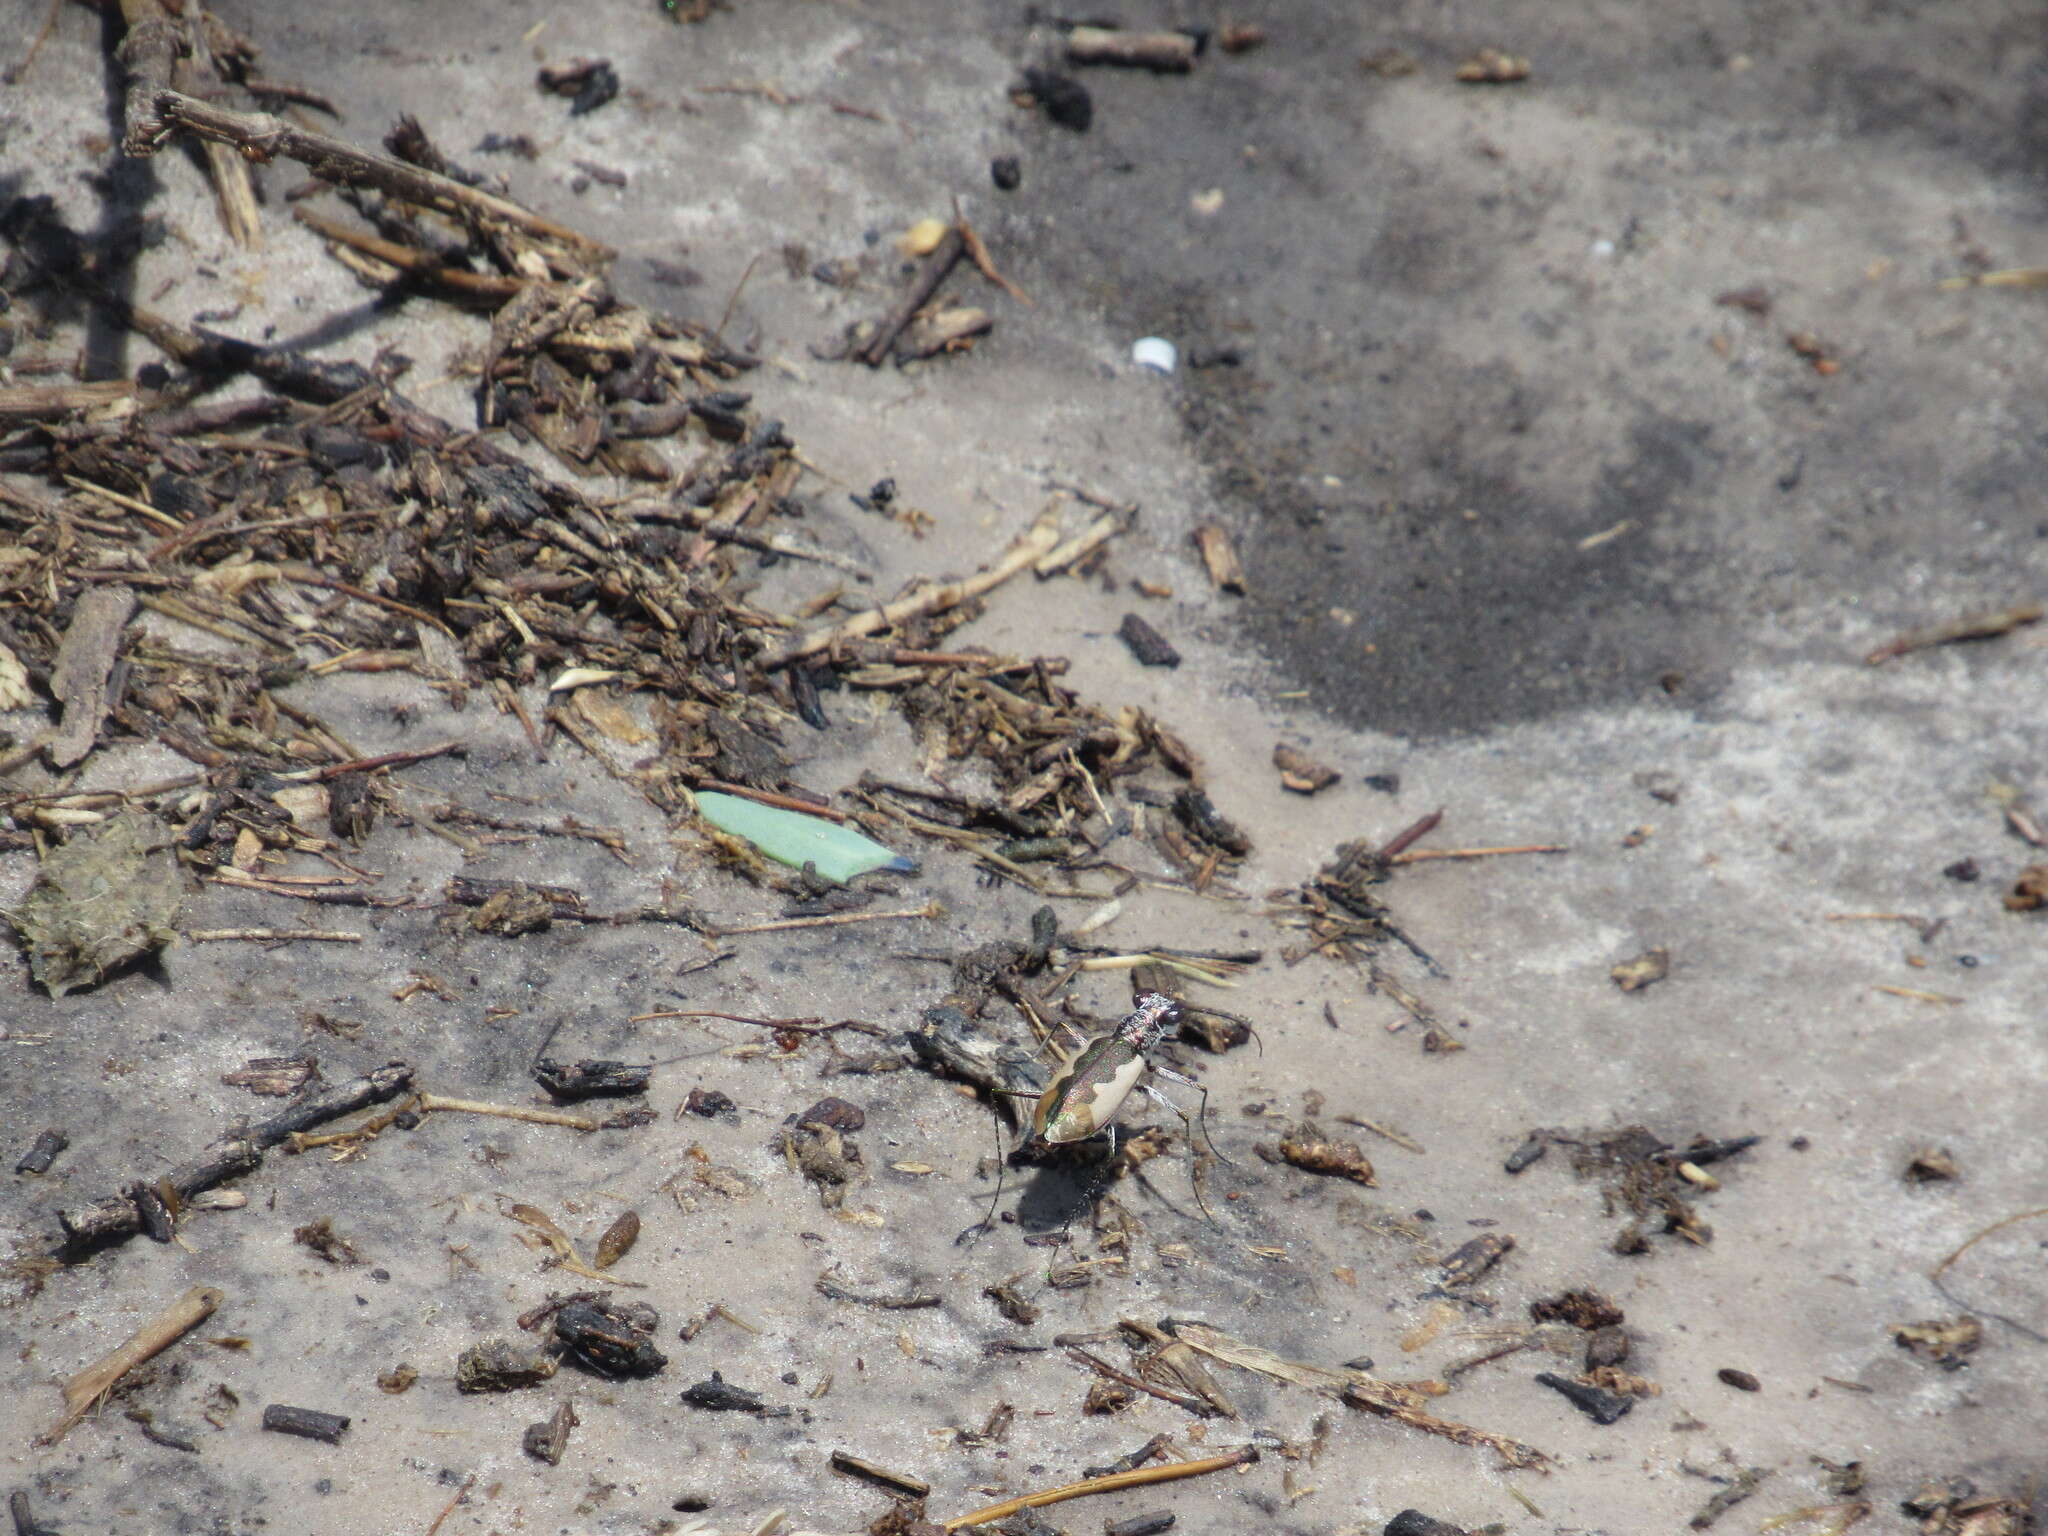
(273, 935)
(154, 115)
(1172, 1471)
(829, 920)
(1037, 540)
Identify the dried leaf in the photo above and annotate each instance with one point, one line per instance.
(618, 1240)
(100, 901)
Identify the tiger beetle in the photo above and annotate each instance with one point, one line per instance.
(1091, 1087)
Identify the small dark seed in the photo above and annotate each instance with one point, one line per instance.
(1741, 1381)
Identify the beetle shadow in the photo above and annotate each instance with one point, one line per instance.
(1060, 1192)
(1067, 1182)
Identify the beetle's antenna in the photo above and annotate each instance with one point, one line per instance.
(987, 1223)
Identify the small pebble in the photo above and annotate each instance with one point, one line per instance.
(1741, 1381)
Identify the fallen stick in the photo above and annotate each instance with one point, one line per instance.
(196, 75)
(154, 114)
(40, 402)
(381, 760)
(944, 257)
(120, 1216)
(431, 1101)
(1914, 994)
(1039, 539)
(1164, 53)
(1103, 1368)
(410, 259)
(829, 920)
(985, 263)
(1171, 1472)
(769, 797)
(1425, 855)
(86, 1388)
(1976, 627)
(1080, 546)
(1356, 1388)
(273, 936)
(2010, 277)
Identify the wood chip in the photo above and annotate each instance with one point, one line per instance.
(1226, 571)
(84, 662)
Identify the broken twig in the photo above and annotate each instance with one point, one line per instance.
(1172, 1471)
(86, 1388)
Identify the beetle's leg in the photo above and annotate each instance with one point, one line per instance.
(987, 1223)
(1194, 1181)
(1188, 1082)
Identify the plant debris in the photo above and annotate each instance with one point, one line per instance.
(326, 1243)
(106, 898)
(1947, 1342)
(1740, 1487)
(1651, 1180)
(548, 1440)
(1596, 1403)
(1585, 1309)
(1300, 773)
(721, 1396)
(1932, 1165)
(611, 1338)
(498, 1365)
(1645, 970)
(1306, 1147)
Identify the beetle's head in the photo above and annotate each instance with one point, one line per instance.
(1152, 1018)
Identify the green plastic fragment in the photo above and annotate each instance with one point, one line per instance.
(789, 837)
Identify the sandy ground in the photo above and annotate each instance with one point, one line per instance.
(1478, 328)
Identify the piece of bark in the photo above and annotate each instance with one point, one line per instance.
(233, 189)
(44, 402)
(1164, 53)
(85, 659)
(1596, 1403)
(43, 1152)
(1300, 773)
(1475, 1258)
(1151, 648)
(308, 1423)
(1219, 554)
(946, 329)
(1312, 1152)
(497, 1365)
(590, 1079)
(549, 1439)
